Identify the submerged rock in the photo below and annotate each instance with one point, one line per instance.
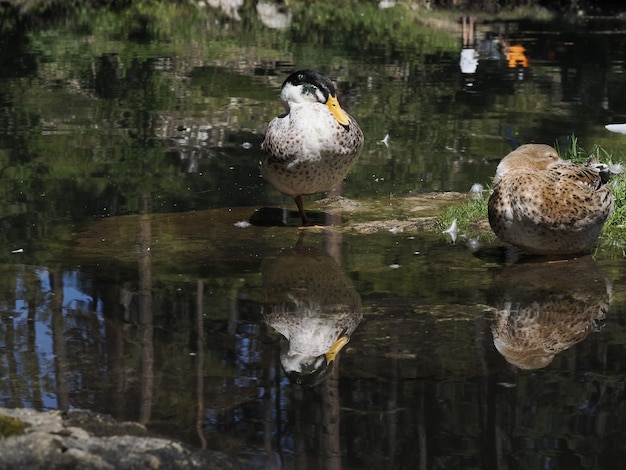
(48, 440)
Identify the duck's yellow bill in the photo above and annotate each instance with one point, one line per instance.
(339, 113)
(337, 346)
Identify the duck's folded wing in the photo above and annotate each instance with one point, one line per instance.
(562, 199)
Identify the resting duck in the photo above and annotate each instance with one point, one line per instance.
(545, 205)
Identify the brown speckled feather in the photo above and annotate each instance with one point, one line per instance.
(545, 205)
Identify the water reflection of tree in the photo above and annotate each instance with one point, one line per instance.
(58, 327)
(146, 315)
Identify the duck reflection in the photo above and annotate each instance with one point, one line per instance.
(543, 308)
(309, 300)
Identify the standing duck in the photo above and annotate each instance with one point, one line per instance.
(311, 148)
(545, 205)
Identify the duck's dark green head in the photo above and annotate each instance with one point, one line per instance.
(309, 86)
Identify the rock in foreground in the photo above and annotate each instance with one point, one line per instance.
(49, 441)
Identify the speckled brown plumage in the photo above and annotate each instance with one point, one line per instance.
(545, 205)
(541, 309)
(311, 148)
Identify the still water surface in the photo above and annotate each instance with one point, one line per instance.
(130, 285)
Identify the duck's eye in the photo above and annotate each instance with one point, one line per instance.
(308, 88)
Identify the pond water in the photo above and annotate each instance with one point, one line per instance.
(133, 283)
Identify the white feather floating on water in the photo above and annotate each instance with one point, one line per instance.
(473, 244)
(619, 128)
(477, 188)
(452, 230)
(476, 191)
(385, 140)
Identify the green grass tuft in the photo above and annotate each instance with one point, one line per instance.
(469, 214)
